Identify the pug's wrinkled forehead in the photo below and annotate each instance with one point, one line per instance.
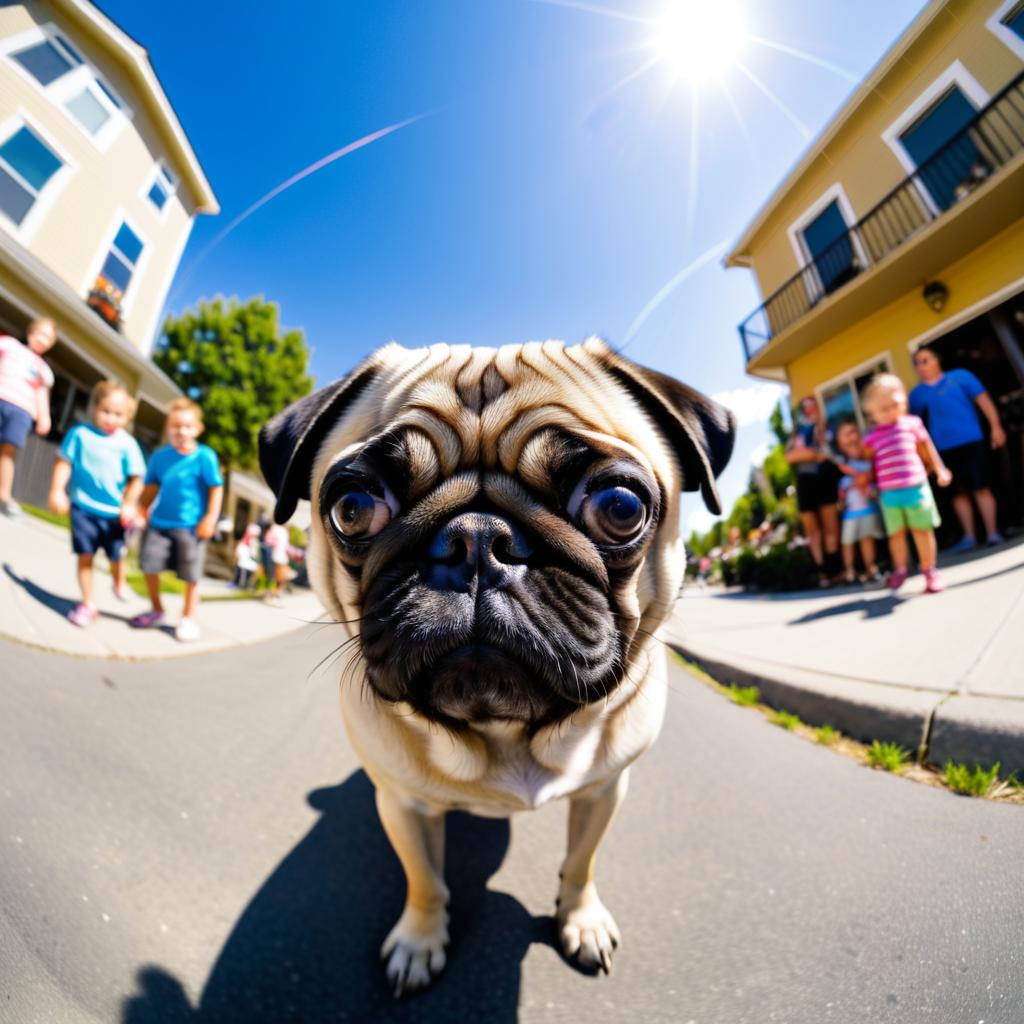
(533, 412)
(454, 409)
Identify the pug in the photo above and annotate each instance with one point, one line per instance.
(497, 530)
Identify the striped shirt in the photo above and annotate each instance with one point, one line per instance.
(894, 446)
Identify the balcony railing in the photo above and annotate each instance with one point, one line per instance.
(991, 139)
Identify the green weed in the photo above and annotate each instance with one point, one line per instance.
(890, 756)
(745, 695)
(826, 735)
(786, 719)
(970, 781)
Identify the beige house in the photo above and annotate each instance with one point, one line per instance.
(903, 224)
(99, 187)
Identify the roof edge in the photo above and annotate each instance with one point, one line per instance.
(135, 59)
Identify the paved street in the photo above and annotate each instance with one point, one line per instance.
(192, 840)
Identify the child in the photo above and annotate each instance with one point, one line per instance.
(899, 448)
(181, 501)
(275, 561)
(245, 557)
(103, 465)
(25, 382)
(862, 523)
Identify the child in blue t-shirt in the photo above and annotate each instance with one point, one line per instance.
(861, 520)
(181, 501)
(98, 479)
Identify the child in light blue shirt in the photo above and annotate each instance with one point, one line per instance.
(97, 478)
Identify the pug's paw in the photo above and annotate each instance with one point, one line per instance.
(414, 949)
(586, 928)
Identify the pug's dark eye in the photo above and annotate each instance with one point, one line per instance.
(357, 515)
(614, 515)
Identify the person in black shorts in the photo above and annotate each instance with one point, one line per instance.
(817, 488)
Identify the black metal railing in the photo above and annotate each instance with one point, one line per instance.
(991, 139)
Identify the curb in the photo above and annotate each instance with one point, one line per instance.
(939, 726)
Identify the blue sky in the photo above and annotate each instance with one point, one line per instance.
(535, 200)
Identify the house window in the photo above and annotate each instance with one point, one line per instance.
(120, 264)
(827, 241)
(944, 175)
(162, 188)
(48, 60)
(26, 165)
(1014, 20)
(69, 82)
(841, 398)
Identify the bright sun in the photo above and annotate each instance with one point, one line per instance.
(699, 39)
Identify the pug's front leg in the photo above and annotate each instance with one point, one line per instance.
(586, 928)
(414, 949)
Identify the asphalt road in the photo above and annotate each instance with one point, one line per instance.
(193, 841)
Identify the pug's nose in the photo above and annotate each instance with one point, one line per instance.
(476, 546)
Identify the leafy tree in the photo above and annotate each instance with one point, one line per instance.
(233, 360)
(778, 471)
(777, 421)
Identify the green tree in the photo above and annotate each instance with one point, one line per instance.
(778, 471)
(777, 421)
(234, 361)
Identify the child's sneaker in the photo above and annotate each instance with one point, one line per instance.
(871, 577)
(896, 579)
(11, 509)
(933, 581)
(187, 631)
(119, 593)
(147, 620)
(994, 538)
(82, 615)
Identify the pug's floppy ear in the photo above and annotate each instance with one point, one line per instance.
(700, 431)
(289, 442)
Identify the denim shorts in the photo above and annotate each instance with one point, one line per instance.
(91, 533)
(15, 424)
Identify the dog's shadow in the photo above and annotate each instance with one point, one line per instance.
(307, 947)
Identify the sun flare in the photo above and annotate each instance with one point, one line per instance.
(699, 40)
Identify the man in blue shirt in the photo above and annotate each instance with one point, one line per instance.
(949, 403)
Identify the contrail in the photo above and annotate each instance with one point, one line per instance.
(287, 184)
(809, 57)
(790, 116)
(607, 12)
(713, 253)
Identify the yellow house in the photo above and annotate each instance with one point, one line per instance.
(903, 224)
(99, 187)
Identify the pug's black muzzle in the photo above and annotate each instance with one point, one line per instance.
(484, 624)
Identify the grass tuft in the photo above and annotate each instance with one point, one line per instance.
(169, 583)
(826, 735)
(890, 756)
(47, 516)
(745, 695)
(786, 719)
(970, 781)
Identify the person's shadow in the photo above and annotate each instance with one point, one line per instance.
(307, 947)
(55, 602)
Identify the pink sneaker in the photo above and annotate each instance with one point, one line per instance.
(82, 615)
(896, 579)
(933, 581)
(147, 620)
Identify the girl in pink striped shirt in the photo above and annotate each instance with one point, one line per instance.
(900, 450)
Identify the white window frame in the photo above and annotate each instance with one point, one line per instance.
(956, 74)
(101, 257)
(47, 196)
(1003, 32)
(837, 194)
(82, 77)
(848, 377)
(159, 171)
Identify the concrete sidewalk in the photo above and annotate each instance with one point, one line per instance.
(38, 587)
(944, 672)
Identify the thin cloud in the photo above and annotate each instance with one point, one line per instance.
(753, 404)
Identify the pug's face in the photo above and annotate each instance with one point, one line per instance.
(500, 525)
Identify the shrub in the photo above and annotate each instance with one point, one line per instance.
(783, 568)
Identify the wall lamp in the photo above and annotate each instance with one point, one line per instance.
(935, 295)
